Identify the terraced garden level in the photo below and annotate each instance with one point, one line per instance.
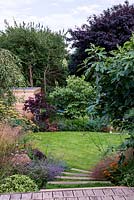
(80, 150)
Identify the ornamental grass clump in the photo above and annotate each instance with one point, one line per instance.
(8, 142)
(117, 168)
(100, 171)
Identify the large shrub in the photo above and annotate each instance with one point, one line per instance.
(78, 124)
(17, 183)
(42, 112)
(72, 101)
(83, 124)
(111, 28)
(10, 75)
(9, 115)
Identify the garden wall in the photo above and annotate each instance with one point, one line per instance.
(22, 94)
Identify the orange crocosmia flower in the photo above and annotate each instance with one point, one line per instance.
(114, 165)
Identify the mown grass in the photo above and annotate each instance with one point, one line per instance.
(78, 149)
(51, 186)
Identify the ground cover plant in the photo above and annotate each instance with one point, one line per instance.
(18, 183)
(78, 149)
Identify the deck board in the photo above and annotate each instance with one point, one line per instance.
(107, 193)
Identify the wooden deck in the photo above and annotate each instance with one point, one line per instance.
(109, 193)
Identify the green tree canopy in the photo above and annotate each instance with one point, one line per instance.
(114, 77)
(41, 52)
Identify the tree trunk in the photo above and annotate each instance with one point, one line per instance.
(31, 75)
(45, 88)
(45, 81)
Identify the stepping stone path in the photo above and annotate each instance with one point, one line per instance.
(75, 177)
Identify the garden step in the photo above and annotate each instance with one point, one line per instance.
(73, 178)
(75, 182)
(80, 170)
(76, 174)
(79, 178)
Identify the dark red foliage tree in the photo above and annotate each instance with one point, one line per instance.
(113, 27)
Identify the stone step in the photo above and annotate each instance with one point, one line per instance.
(76, 174)
(73, 178)
(75, 182)
(79, 178)
(80, 170)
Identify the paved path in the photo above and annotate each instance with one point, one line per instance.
(108, 193)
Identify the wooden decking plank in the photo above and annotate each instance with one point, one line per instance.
(127, 191)
(15, 196)
(95, 198)
(88, 192)
(108, 192)
(83, 198)
(118, 191)
(112, 193)
(78, 193)
(119, 197)
(65, 198)
(68, 193)
(58, 198)
(26, 196)
(5, 197)
(37, 196)
(47, 194)
(107, 198)
(98, 192)
(58, 194)
(129, 197)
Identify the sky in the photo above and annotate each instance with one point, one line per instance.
(56, 14)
